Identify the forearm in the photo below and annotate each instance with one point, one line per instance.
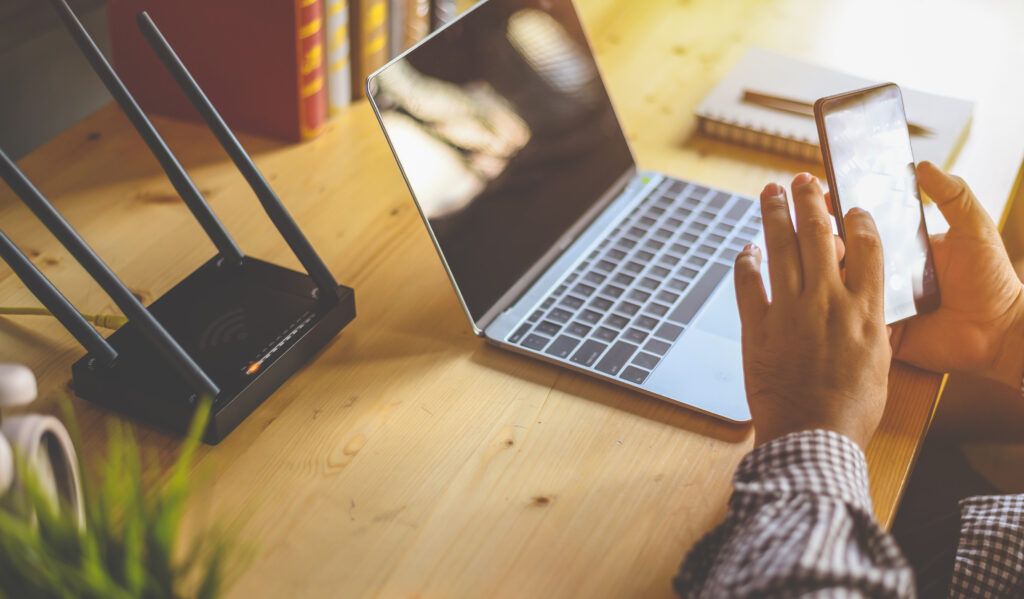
(799, 520)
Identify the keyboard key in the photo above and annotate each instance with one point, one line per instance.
(635, 335)
(667, 296)
(668, 331)
(633, 267)
(548, 328)
(605, 265)
(627, 308)
(696, 261)
(676, 187)
(584, 290)
(673, 222)
(589, 352)
(691, 202)
(535, 341)
(612, 291)
(654, 244)
(579, 329)
(706, 250)
(738, 209)
(689, 237)
(656, 309)
(559, 315)
(659, 272)
(590, 316)
(700, 191)
(601, 304)
(668, 259)
(617, 357)
(639, 295)
(547, 303)
(563, 346)
(569, 279)
(654, 211)
(571, 302)
(706, 217)
(697, 226)
(649, 283)
(663, 233)
(606, 334)
(678, 284)
(730, 254)
(749, 232)
(616, 321)
(644, 256)
(559, 290)
(535, 316)
(699, 294)
(657, 346)
(516, 336)
(646, 322)
(616, 255)
(625, 242)
(719, 200)
(594, 277)
(635, 375)
(647, 221)
(679, 248)
(636, 232)
(646, 360)
(623, 279)
(687, 273)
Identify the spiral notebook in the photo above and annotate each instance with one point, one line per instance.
(724, 114)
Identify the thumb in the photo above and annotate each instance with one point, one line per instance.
(954, 198)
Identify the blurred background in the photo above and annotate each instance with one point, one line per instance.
(46, 84)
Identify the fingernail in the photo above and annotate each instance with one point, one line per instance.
(803, 179)
(855, 210)
(773, 190)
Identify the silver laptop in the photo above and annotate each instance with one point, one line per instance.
(557, 246)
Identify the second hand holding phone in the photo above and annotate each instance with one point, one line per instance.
(870, 165)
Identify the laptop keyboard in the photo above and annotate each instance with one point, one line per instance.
(620, 310)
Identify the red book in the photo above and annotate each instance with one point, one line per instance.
(261, 63)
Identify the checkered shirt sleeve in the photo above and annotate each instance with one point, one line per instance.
(799, 524)
(990, 555)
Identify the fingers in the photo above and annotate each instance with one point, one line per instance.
(828, 203)
(750, 293)
(784, 268)
(953, 197)
(864, 266)
(814, 230)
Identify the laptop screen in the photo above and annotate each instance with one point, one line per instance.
(506, 136)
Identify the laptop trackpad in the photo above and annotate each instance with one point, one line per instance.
(704, 370)
(721, 315)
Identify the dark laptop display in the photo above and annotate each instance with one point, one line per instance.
(501, 118)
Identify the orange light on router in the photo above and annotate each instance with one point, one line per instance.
(255, 366)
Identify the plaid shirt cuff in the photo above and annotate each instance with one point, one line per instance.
(817, 462)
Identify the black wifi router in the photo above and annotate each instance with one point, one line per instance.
(234, 330)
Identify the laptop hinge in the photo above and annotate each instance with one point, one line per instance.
(510, 297)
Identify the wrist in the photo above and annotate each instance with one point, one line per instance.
(1008, 365)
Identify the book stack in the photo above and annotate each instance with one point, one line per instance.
(279, 69)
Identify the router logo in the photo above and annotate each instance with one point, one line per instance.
(227, 329)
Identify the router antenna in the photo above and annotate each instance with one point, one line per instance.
(325, 282)
(137, 314)
(182, 183)
(56, 303)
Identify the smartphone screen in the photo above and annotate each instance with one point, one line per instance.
(870, 165)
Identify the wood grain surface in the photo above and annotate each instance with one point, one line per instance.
(410, 458)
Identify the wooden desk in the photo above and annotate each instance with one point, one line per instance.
(412, 459)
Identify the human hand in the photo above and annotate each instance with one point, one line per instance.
(979, 325)
(817, 356)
